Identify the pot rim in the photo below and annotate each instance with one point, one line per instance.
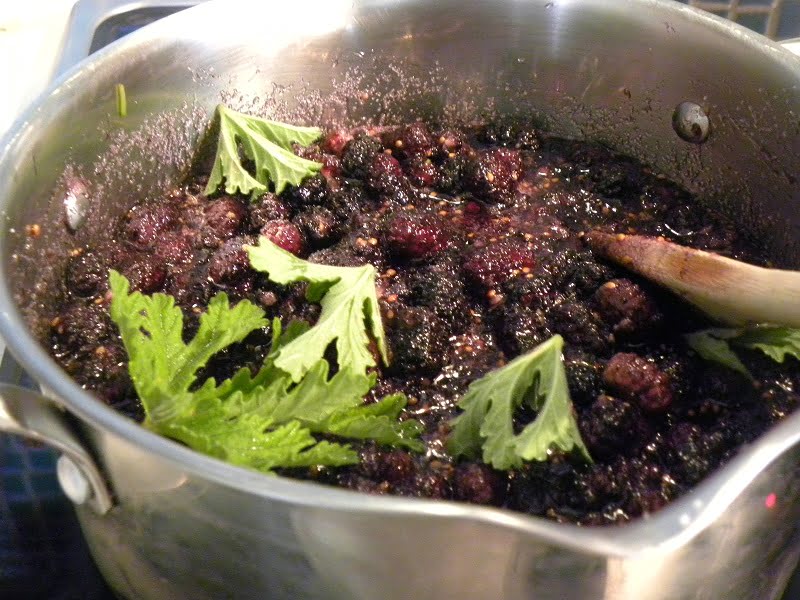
(671, 527)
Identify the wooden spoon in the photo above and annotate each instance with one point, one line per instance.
(728, 290)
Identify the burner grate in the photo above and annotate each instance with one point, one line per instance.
(763, 16)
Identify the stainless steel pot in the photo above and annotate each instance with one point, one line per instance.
(164, 522)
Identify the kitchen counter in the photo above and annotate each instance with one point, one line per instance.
(31, 36)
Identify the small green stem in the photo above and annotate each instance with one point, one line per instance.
(122, 102)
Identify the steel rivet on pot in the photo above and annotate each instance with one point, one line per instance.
(76, 204)
(690, 121)
(72, 480)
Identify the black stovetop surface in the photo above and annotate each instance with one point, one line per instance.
(42, 552)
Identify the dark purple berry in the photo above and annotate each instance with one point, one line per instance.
(286, 235)
(611, 426)
(225, 216)
(494, 173)
(451, 174)
(421, 171)
(584, 376)
(146, 274)
(397, 466)
(394, 466)
(188, 287)
(635, 378)
(478, 484)
(440, 288)
(230, 264)
(402, 194)
(417, 341)
(312, 192)
(497, 262)
(268, 208)
(520, 329)
(429, 483)
(174, 248)
(414, 139)
(335, 141)
(144, 223)
(359, 154)
(320, 227)
(331, 167)
(414, 235)
(474, 209)
(384, 173)
(86, 274)
(586, 273)
(693, 452)
(449, 142)
(627, 307)
(540, 488)
(476, 218)
(579, 325)
(531, 292)
(348, 202)
(81, 328)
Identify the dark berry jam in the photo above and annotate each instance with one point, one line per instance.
(477, 236)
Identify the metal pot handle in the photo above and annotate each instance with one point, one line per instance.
(25, 412)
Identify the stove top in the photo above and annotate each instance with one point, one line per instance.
(42, 552)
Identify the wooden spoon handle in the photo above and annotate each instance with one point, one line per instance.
(728, 290)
